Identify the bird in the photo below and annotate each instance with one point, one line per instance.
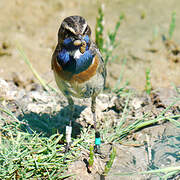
(79, 69)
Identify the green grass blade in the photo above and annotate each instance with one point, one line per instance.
(148, 86)
(172, 24)
(26, 60)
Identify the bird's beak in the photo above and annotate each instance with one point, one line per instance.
(80, 41)
(82, 44)
(77, 42)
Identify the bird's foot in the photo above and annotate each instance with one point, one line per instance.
(67, 147)
(97, 149)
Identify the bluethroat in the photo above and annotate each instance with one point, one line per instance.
(78, 68)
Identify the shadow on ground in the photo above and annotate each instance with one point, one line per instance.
(48, 124)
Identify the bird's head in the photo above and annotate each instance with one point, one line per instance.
(74, 31)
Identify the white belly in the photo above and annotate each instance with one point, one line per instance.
(80, 90)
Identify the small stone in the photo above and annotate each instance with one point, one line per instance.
(136, 103)
(4, 88)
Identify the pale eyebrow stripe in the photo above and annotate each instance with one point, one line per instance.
(70, 29)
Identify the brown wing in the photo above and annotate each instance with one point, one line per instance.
(102, 68)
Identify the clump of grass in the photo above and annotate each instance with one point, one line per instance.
(108, 46)
(91, 156)
(121, 132)
(110, 162)
(148, 86)
(24, 155)
(172, 25)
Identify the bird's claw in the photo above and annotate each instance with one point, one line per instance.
(97, 149)
(67, 147)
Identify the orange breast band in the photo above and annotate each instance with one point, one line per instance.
(81, 77)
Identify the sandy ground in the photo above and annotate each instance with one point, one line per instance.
(34, 24)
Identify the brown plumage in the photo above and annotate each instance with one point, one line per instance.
(79, 78)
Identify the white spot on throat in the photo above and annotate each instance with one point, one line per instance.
(77, 54)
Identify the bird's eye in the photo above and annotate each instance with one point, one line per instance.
(68, 33)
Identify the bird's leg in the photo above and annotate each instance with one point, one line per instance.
(97, 134)
(69, 128)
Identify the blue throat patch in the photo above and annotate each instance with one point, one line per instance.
(84, 62)
(68, 44)
(68, 62)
